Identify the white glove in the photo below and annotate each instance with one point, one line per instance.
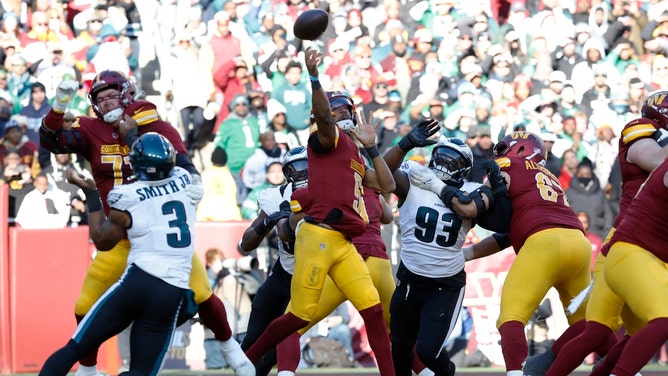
(423, 177)
(195, 190)
(65, 91)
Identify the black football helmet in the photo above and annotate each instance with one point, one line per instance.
(295, 167)
(656, 107)
(451, 160)
(110, 79)
(152, 157)
(522, 144)
(338, 99)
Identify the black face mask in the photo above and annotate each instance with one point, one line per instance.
(584, 181)
(273, 153)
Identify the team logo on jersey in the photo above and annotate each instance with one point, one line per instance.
(113, 198)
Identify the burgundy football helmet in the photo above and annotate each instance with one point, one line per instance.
(110, 79)
(338, 99)
(522, 145)
(656, 107)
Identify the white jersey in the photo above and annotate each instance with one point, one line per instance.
(432, 235)
(162, 230)
(269, 201)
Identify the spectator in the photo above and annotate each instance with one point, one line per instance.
(600, 94)
(604, 152)
(221, 193)
(569, 166)
(255, 168)
(388, 131)
(35, 111)
(273, 177)
(17, 176)
(585, 194)
(54, 67)
(18, 79)
(277, 122)
(482, 151)
(233, 78)
(57, 175)
(44, 207)
(295, 95)
(238, 135)
(15, 139)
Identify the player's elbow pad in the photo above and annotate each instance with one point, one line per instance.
(498, 218)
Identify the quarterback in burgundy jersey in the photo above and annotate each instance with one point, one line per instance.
(337, 176)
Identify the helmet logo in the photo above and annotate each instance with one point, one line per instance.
(656, 100)
(520, 134)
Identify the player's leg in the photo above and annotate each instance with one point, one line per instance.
(602, 321)
(105, 269)
(213, 315)
(311, 266)
(405, 308)
(352, 276)
(531, 275)
(269, 303)
(152, 331)
(644, 293)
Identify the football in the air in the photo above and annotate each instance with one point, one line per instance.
(311, 24)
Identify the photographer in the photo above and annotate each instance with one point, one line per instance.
(17, 176)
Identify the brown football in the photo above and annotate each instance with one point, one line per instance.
(311, 24)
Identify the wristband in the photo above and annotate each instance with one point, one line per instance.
(372, 151)
(315, 84)
(313, 78)
(405, 145)
(502, 240)
(93, 200)
(260, 229)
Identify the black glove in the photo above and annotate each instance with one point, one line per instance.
(493, 174)
(450, 192)
(273, 218)
(270, 221)
(419, 135)
(661, 137)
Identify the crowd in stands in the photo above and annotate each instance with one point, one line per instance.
(574, 71)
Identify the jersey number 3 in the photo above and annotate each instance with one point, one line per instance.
(183, 238)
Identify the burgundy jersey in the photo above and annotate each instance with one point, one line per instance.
(632, 175)
(101, 144)
(538, 201)
(335, 186)
(647, 212)
(370, 243)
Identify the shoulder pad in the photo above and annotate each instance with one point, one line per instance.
(637, 129)
(144, 112)
(117, 199)
(503, 162)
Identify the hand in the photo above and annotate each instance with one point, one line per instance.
(312, 58)
(127, 125)
(493, 174)
(80, 180)
(419, 135)
(423, 177)
(661, 136)
(285, 206)
(367, 131)
(195, 190)
(65, 91)
(272, 219)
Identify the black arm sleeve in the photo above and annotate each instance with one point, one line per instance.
(498, 219)
(184, 162)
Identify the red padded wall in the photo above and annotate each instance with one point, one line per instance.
(48, 268)
(222, 235)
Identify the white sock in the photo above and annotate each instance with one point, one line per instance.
(285, 373)
(86, 370)
(426, 372)
(515, 373)
(232, 353)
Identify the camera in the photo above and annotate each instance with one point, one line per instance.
(20, 169)
(243, 264)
